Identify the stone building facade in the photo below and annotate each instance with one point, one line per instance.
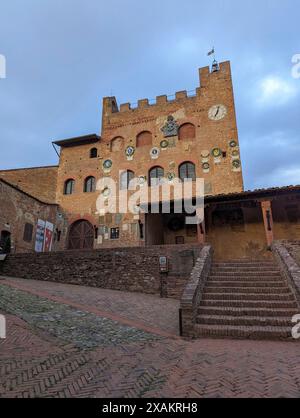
(195, 133)
(19, 216)
(185, 136)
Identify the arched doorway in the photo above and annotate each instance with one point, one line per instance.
(81, 236)
(5, 242)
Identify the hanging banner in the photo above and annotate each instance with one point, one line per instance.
(48, 237)
(40, 233)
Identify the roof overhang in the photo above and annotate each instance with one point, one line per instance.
(77, 141)
(260, 194)
(255, 195)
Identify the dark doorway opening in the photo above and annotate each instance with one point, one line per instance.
(5, 242)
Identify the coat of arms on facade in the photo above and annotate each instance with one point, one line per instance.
(170, 128)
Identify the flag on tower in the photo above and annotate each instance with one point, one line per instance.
(211, 52)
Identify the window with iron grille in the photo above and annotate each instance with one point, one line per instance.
(89, 185)
(93, 153)
(187, 171)
(114, 233)
(125, 179)
(69, 187)
(156, 174)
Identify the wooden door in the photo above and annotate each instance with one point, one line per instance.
(81, 236)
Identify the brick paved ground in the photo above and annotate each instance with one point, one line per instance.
(133, 306)
(63, 351)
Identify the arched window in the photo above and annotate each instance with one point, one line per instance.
(117, 144)
(69, 186)
(156, 174)
(89, 185)
(125, 179)
(143, 139)
(187, 171)
(93, 153)
(187, 132)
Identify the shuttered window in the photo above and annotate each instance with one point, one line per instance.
(28, 231)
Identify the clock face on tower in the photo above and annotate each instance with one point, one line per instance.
(217, 112)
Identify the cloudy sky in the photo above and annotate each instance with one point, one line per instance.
(63, 56)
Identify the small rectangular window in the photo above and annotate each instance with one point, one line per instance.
(114, 233)
(28, 231)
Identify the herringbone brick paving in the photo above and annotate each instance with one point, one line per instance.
(35, 363)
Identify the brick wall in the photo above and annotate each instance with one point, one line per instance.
(40, 182)
(132, 269)
(127, 123)
(17, 209)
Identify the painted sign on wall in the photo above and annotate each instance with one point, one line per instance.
(49, 228)
(39, 238)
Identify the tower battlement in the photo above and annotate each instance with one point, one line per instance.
(207, 77)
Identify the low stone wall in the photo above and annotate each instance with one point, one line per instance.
(130, 269)
(286, 253)
(193, 292)
(294, 249)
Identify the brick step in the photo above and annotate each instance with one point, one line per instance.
(265, 304)
(260, 297)
(261, 312)
(245, 268)
(245, 278)
(246, 260)
(245, 290)
(245, 321)
(239, 283)
(238, 272)
(255, 332)
(245, 265)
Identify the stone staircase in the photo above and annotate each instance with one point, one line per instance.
(246, 299)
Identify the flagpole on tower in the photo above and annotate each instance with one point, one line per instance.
(215, 65)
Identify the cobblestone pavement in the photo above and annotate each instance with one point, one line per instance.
(83, 329)
(55, 350)
(133, 306)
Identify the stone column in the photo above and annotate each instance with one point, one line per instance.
(266, 207)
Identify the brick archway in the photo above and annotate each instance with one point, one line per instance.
(81, 235)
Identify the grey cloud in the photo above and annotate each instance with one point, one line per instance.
(63, 56)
